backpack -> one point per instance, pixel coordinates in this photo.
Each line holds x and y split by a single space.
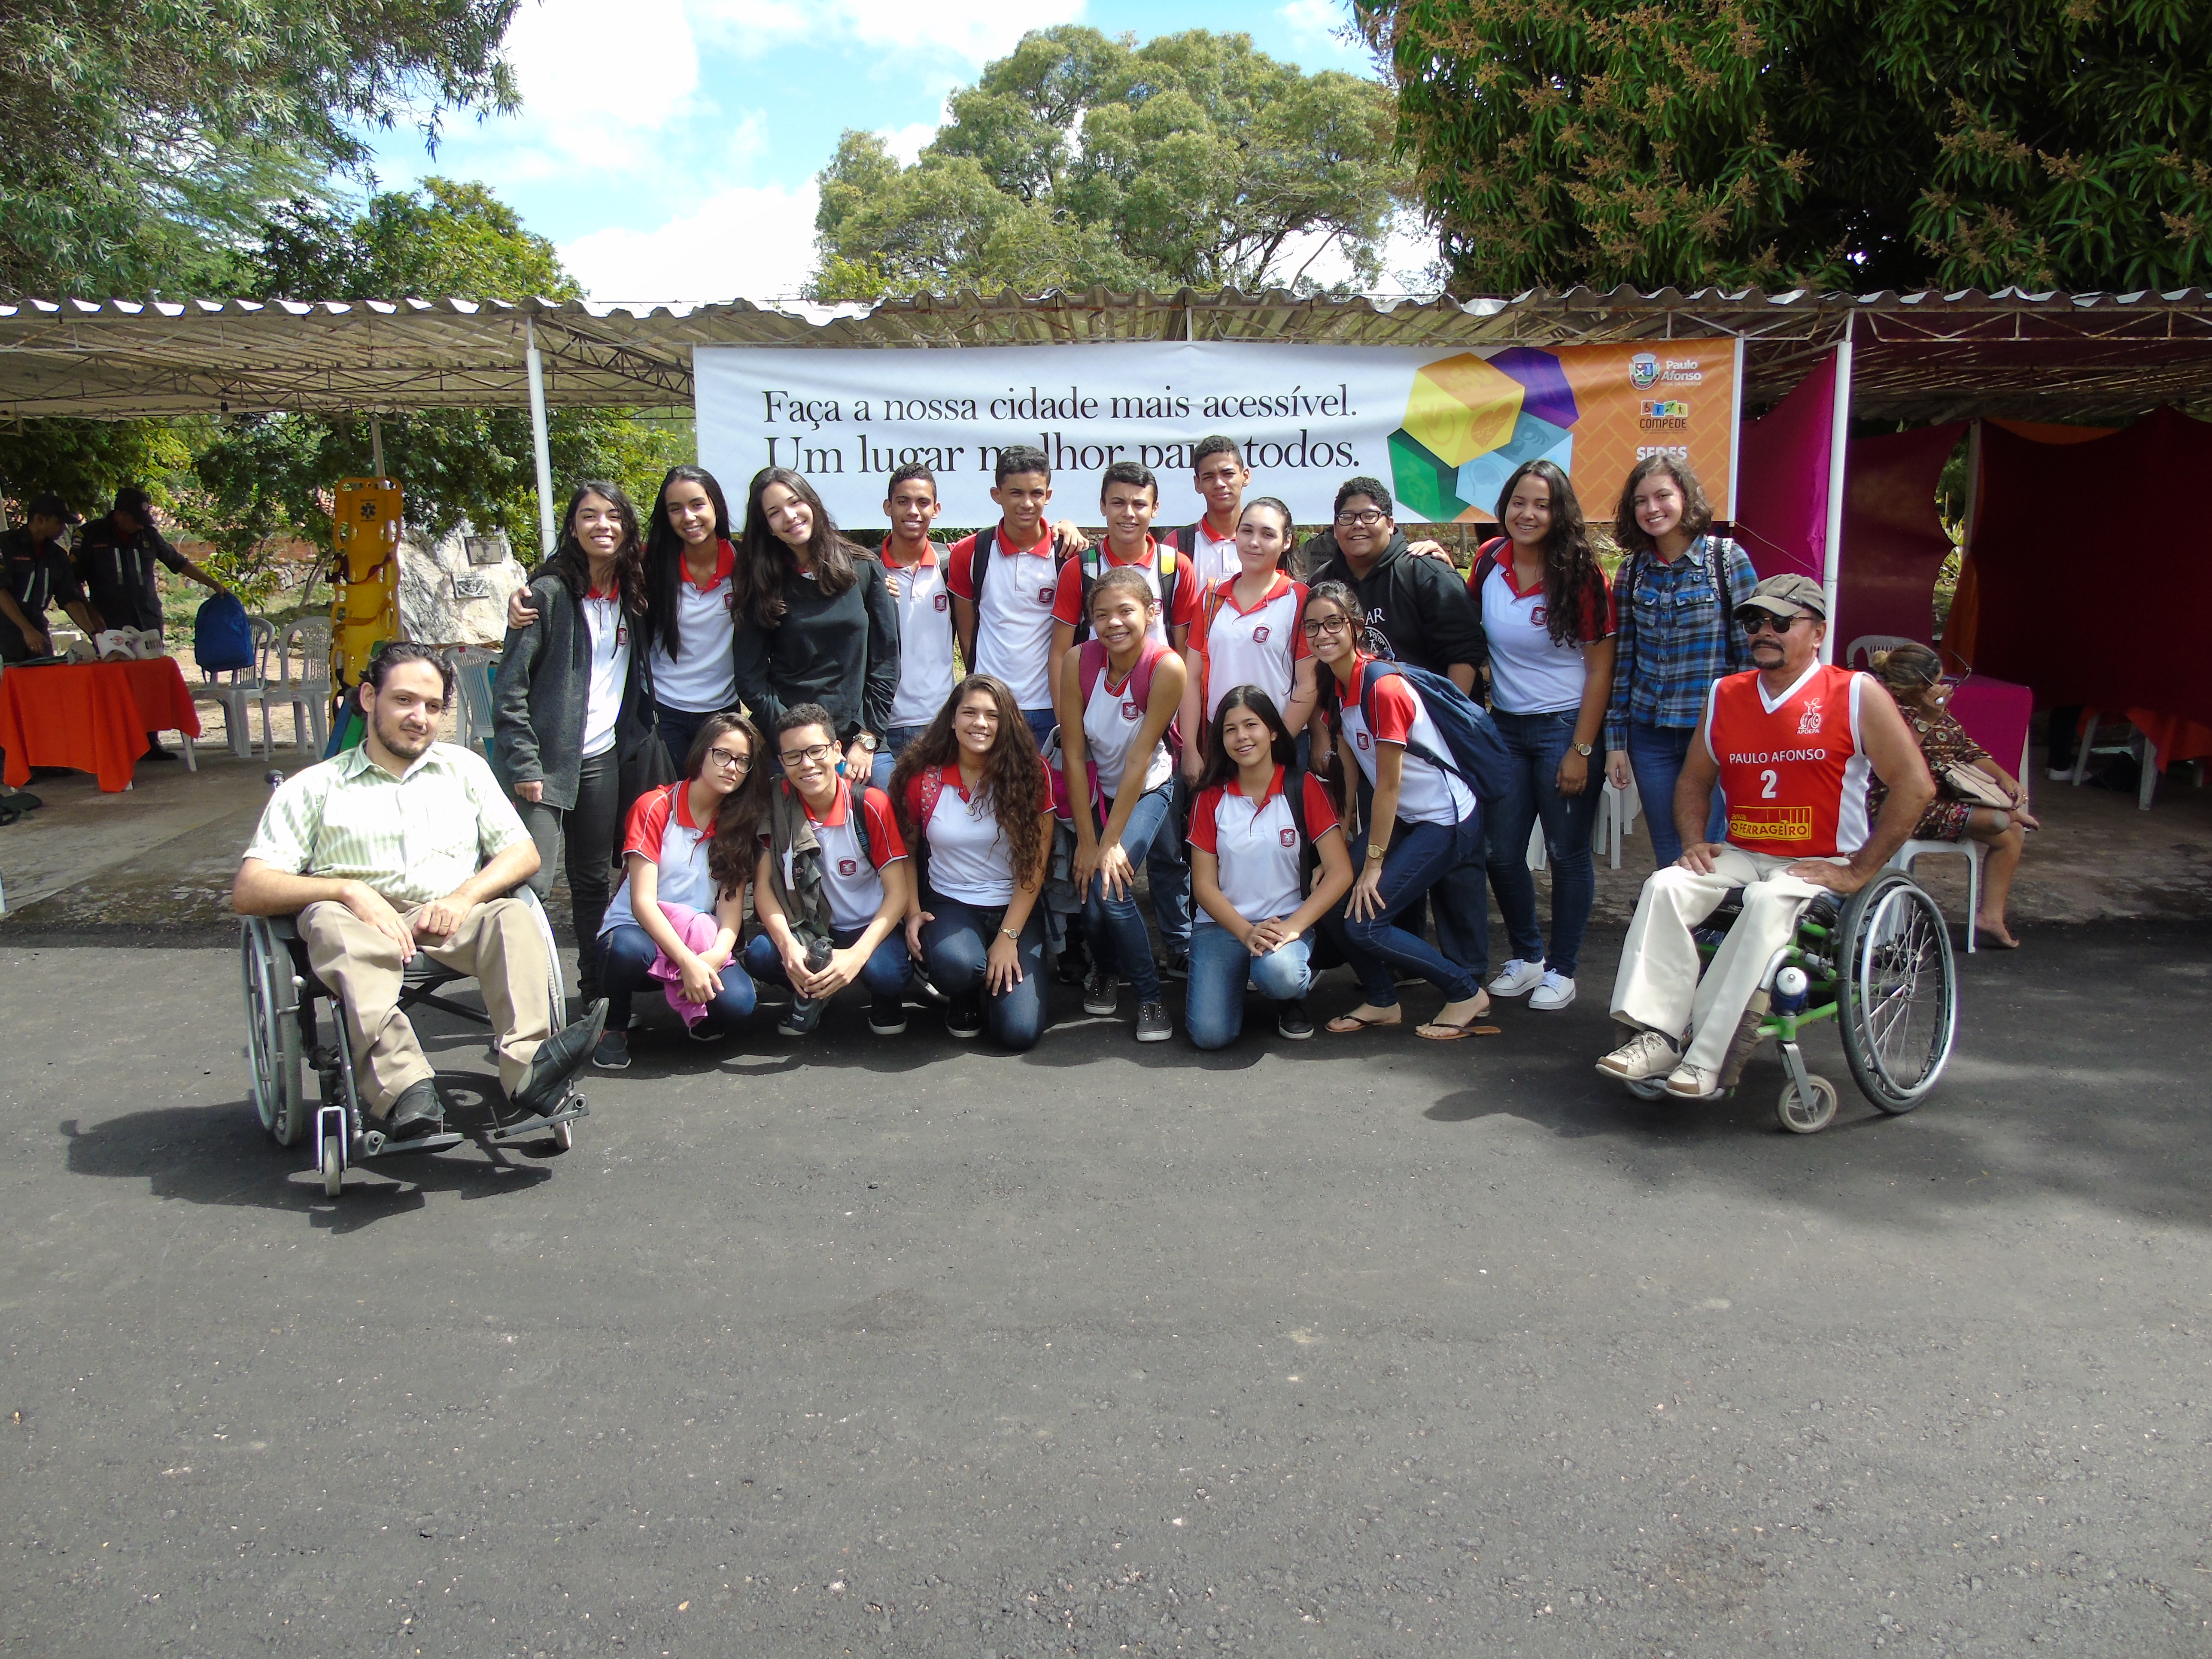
1477 756
222 638
1092 667
1094 566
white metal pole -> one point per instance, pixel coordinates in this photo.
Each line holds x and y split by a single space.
538 444
376 445
1837 436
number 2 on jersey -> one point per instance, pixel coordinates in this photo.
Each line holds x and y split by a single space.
1767 777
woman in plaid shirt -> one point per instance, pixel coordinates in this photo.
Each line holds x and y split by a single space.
1675 594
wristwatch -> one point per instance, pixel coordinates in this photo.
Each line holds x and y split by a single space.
1374 853
866 740
1585 750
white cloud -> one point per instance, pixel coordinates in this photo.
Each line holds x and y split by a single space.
905 143
1409 260
755 242
1319 22
972 30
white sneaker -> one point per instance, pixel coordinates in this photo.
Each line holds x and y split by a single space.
1688 1082
1646 1054
1555 993
1516 978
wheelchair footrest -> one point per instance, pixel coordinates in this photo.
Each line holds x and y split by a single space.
537 1126
373 1144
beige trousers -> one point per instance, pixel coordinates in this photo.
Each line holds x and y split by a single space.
498 943
1658 987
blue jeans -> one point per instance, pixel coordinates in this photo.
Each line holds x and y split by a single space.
898 737
1420 856
1167 870
1655 754
956 944
1213 1002
1041 722
1537 742
677 728
884 973
1116 927
626 950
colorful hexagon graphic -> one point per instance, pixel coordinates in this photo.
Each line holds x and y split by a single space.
1470 421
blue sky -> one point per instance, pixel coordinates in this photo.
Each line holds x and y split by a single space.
668 147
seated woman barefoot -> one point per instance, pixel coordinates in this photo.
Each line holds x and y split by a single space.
1914 676
1422 824
976 806
833 885
1257 820
688 852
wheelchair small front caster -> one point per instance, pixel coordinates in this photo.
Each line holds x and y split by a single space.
333 1168
1807 1114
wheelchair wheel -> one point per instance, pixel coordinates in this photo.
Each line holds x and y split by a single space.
1801 1116
1897 991
333 1169
273 1033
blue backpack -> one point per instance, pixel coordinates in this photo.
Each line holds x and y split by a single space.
222 639
1479 757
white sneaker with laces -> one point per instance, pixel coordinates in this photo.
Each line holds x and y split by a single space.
1646 1054
1688 1082
1515 978
1555 993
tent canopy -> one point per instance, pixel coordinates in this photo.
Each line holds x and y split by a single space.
1920 357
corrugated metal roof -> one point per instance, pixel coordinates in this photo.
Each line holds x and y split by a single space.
1921 357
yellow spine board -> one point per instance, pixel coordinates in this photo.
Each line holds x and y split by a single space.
365 604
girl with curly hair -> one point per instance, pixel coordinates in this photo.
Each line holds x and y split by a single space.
974 807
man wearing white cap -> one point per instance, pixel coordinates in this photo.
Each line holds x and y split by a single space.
1793 744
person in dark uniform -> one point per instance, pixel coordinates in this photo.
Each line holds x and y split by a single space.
115 559
34 570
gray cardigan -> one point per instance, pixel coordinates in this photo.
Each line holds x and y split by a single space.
541 693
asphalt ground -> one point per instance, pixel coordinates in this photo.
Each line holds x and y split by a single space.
1358 1346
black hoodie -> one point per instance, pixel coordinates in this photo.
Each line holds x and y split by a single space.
1419 610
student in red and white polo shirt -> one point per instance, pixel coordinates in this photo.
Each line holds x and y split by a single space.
1247 872
689 845
1246 632
1547 614
1006 632
1795 745
916 572
1218 472
836 892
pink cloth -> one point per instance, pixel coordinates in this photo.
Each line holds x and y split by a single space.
697 930
1995 714
1781 483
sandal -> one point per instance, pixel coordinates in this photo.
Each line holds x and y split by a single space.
1435 1031
1347 1025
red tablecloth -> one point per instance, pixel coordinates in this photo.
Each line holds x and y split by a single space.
92 716
2175 737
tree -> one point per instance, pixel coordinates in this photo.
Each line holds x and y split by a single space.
1828 143
262 479
1080 159
144 139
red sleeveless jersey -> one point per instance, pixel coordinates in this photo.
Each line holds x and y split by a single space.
1794 771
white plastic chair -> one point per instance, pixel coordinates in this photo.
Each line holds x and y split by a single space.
2147 787
1617 811
237 690
1973 851
473 669
1871 643
308 689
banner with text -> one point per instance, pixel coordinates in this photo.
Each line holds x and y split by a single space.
1443 429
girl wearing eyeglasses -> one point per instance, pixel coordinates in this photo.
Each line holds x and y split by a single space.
561 683
1676 596
834 883
689 849
975 807
1421 823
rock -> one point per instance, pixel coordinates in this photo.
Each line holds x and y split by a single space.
445 597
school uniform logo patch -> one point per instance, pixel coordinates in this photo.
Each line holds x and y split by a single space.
1539 617
1289 837
1128 710
941 602
848 866
1260 634
1360 737
1045 594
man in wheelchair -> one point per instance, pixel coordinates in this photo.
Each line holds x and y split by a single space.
407 846
1794 744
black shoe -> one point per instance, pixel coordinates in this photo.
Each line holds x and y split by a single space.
155 752
20 800
963 1020
558 1059
886 1016
803 1016
612 1052
1292 1021
1074 964
923 988
417 1112
1176 967
709 1031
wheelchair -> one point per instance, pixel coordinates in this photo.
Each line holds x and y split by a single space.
284 1031
1877 962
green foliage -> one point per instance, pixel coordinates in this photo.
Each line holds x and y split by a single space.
1081 159
1959 142
266 478
143 139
